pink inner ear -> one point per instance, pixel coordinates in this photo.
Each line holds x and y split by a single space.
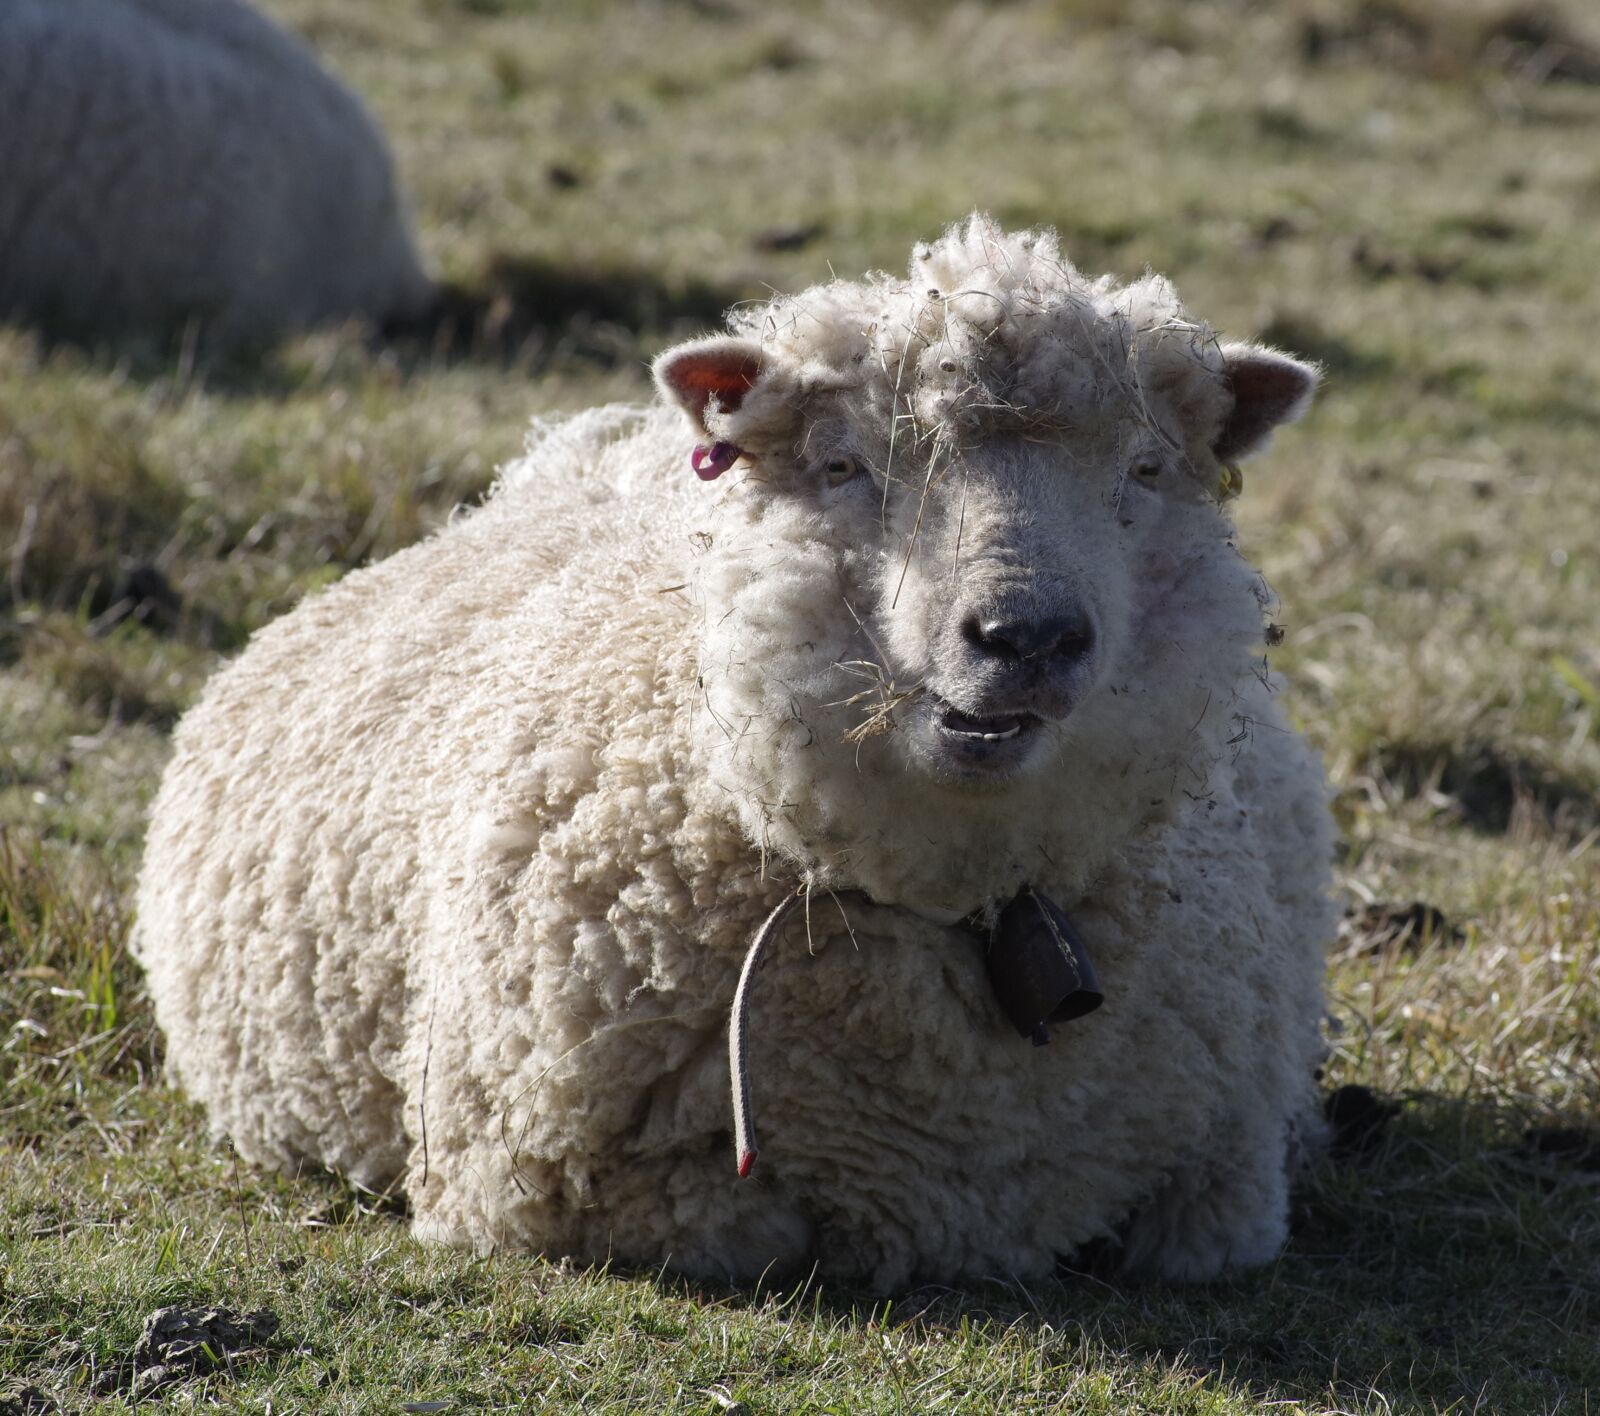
1268 389
727 375
1273 386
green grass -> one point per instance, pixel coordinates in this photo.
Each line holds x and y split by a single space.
1409 192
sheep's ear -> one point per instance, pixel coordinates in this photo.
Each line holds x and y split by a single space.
1268 388
709 376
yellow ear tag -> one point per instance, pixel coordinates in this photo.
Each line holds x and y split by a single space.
1230 483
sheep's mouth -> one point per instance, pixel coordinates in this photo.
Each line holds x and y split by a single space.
993 728
975 748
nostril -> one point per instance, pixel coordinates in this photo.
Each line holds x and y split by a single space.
1076 641
1064 639
992 636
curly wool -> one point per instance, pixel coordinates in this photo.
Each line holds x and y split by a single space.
449 881
992 330
169 160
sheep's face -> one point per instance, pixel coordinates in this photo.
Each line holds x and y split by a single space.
966 562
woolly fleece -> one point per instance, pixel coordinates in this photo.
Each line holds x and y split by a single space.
450 879
172 159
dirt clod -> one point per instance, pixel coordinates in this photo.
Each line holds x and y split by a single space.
182 1342
1358 1118
787 238
1386 926
27 1401
1568 1145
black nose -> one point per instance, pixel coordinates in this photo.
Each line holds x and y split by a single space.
1062 639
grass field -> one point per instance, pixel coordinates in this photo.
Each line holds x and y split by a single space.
1407 191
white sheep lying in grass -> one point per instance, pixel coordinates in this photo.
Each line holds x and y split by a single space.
449 883
168 160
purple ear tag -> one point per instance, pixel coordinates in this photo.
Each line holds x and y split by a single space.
711 462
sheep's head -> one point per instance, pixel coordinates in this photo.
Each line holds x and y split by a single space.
970 599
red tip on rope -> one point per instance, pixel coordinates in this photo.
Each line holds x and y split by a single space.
747 1163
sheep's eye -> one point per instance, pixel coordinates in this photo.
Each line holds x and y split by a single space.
841 469
1147 469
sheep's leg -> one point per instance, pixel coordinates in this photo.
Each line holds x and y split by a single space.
1233 1213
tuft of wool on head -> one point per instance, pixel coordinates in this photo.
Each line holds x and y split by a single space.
990 331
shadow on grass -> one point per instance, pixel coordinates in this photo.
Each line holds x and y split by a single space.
525 310
1532 41
522 312
1452 1262
1490 786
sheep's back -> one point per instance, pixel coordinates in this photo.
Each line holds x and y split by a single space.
324 792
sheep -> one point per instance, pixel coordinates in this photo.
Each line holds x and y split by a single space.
168 161
931 711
